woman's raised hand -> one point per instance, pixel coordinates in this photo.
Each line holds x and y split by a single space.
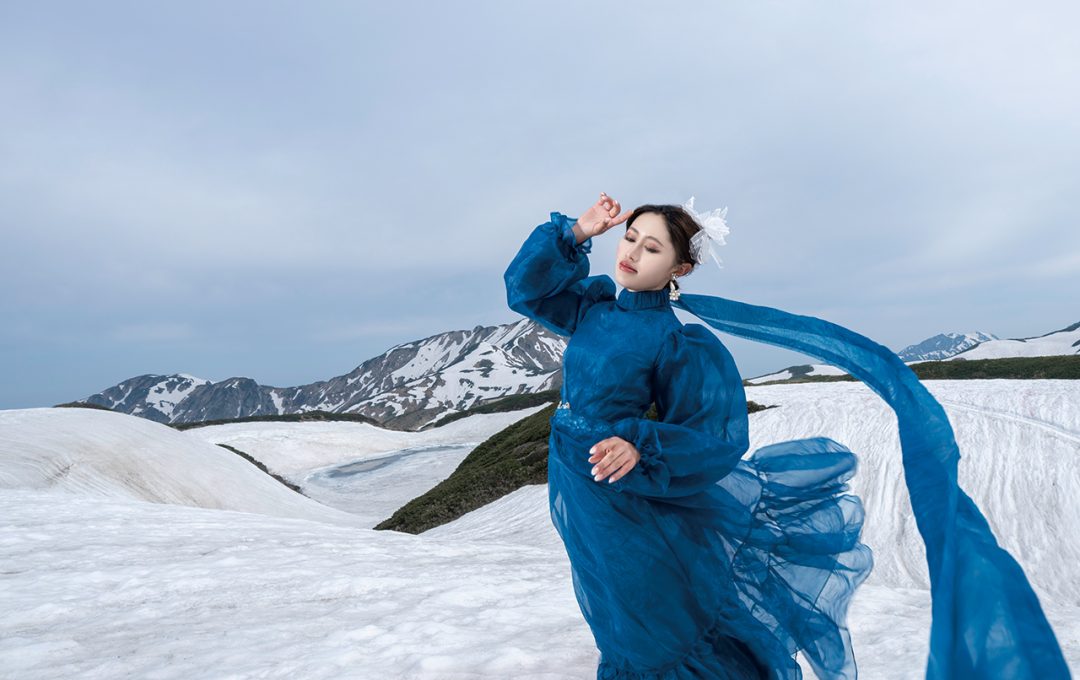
603 215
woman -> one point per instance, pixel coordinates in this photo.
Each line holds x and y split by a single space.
689 562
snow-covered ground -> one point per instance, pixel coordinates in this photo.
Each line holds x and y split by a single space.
96 582
1019 444
92 588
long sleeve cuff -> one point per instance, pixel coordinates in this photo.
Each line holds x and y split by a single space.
568 245
675 461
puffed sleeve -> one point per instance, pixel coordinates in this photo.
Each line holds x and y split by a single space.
548 280
702 431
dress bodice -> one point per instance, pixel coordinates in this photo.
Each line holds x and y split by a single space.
626 350
609 362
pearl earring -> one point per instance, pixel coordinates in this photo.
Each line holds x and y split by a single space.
673 293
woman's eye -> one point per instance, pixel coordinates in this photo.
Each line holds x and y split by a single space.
651 250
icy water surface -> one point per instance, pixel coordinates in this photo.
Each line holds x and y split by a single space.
377 486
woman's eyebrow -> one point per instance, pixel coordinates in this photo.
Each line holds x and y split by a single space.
652 237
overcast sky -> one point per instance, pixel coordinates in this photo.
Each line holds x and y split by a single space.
281 191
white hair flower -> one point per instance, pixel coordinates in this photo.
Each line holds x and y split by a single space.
713 230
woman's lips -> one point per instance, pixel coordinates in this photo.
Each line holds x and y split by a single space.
626 269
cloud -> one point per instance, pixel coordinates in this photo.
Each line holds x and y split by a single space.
325 159
373 328
152 332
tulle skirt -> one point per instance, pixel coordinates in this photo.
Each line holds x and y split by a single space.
728 583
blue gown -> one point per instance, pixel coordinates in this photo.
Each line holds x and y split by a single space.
701 564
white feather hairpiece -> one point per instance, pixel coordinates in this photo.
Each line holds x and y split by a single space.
713 230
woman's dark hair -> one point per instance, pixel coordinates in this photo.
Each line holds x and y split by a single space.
680 225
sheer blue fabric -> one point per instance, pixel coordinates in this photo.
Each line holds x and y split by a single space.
700 563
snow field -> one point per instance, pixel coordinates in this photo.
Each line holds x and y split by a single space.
131 550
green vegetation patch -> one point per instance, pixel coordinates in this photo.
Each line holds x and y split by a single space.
1066 367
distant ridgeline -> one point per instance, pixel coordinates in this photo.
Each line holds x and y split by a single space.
1015 368
424 383
1066 367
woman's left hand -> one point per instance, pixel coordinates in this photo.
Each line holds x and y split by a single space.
616 457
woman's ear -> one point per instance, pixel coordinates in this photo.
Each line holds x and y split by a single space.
683 269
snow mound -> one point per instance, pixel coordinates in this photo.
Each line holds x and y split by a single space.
105 454
97 589
520 517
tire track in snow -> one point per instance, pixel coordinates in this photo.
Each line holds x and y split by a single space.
1015 417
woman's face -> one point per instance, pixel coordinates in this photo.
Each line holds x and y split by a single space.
647 248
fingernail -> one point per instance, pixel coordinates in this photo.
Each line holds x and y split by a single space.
592 450
593 472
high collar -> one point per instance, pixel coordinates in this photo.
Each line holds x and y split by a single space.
643 299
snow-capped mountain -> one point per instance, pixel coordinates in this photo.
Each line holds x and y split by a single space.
405 387
151 396
943 346
1065 341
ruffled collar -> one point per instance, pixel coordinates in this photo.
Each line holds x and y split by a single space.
643 299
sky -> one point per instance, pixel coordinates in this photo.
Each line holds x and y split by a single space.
282 191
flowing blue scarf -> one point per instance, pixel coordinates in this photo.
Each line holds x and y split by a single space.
986 620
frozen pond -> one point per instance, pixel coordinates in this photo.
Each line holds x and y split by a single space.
375 486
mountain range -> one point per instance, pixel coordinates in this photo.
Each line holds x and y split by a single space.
404 388
416 383
943 346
